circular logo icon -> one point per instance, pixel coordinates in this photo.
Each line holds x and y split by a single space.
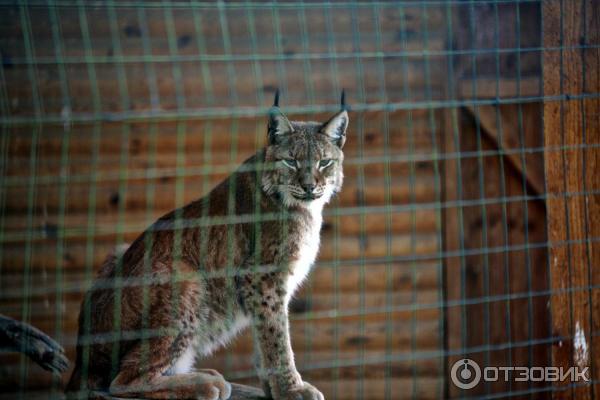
465 373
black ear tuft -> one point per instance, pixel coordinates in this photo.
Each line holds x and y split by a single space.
276 101
343 100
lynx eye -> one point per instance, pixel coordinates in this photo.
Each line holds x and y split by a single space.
290 163
325 163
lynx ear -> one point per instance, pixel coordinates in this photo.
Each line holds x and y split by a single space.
336 127
278 125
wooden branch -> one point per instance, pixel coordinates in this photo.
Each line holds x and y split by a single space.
238 392
21 337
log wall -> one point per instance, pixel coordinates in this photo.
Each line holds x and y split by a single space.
112 116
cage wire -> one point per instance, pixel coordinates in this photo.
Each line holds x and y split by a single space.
467 226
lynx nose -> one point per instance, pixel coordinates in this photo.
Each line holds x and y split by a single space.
309 188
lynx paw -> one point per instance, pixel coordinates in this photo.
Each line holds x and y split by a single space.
304 392
215 388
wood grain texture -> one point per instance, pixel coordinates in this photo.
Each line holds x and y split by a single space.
510 279
572 182
238 392
356 311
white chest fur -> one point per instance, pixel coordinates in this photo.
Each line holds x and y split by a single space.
308 249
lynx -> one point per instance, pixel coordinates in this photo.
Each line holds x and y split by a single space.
202 273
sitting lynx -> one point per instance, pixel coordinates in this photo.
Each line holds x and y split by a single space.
202 273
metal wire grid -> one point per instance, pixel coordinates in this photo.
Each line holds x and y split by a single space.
38 118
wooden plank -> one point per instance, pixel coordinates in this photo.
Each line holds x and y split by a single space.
323 302
59 319
512 134
502 224
412 17
452 236
402 276
374 192
514 271
322 280
485 76
236 365
110 167
508 26
76 226
48 314
189 91
43 255
499 88
372 161
219 136
572 219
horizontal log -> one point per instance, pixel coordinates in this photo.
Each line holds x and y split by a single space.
319 302
396 161
205 23
64 326
77 256
218 139
330 364
50 169
213 136
48 286
168 194
76 227
345 334
374 277
493 87
48 308
187 90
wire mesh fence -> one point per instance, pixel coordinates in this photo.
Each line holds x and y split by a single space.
467 225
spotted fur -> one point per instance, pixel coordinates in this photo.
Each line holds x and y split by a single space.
202 273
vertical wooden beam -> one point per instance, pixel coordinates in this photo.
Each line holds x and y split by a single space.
453 293
570 70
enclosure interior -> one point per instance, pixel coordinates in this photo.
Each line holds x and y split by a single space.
115 113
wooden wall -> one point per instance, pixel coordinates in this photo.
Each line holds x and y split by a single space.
496 272
111 117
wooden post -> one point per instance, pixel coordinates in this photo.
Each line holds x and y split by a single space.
571 122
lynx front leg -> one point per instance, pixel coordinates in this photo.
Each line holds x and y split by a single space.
260 368
270 320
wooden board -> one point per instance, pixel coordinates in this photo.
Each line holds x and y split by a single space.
572 182
497 278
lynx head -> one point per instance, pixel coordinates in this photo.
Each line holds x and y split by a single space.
305 158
